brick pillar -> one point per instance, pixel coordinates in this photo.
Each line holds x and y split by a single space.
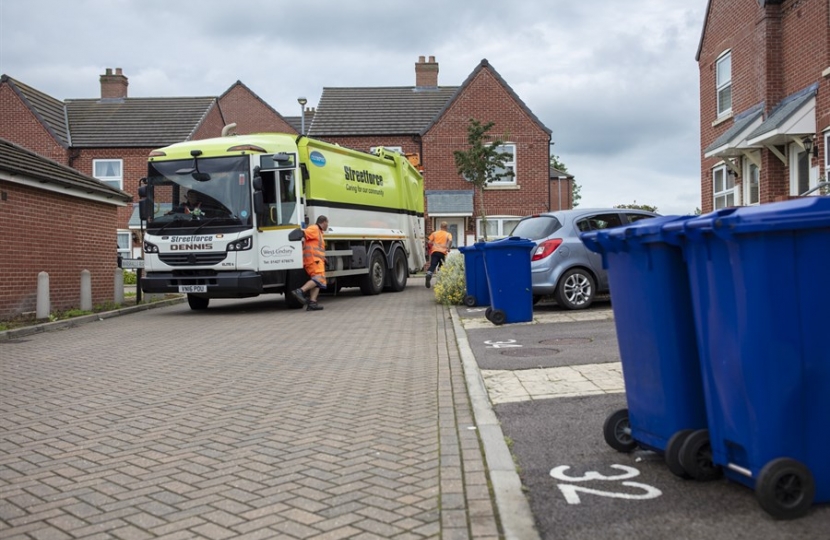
113 85
426 73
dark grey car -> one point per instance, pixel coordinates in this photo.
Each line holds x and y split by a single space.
561 265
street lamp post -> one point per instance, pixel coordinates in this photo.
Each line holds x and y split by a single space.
302 101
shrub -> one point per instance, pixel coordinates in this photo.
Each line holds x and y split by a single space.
450 287
130 277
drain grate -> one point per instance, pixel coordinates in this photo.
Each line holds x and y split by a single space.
566 341
527 353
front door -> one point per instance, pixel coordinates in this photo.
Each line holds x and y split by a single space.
455 226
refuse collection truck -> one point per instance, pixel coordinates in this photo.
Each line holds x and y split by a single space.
223 217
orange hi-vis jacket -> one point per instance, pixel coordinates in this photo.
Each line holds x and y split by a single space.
314 254
440 242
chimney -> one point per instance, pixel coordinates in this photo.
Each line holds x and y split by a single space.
113 86
426 73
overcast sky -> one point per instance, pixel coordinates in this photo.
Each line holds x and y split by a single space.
616 82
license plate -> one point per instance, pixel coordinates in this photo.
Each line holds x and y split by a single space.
192 288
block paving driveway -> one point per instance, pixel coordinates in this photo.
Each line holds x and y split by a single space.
245 421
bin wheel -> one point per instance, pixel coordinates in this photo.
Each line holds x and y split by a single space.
696 457
672 455
498 317
469 300
785 488
488 312
617 432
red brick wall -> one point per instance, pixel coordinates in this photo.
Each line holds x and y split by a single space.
409 144
211 126
776 51
135 167
50 232
250 114
486 100
21 127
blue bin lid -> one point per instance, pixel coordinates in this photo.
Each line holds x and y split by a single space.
797 214
620 238
511 242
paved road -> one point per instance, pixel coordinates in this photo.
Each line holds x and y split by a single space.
553 383
244 421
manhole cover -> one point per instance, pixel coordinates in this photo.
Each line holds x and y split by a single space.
525 353
566 341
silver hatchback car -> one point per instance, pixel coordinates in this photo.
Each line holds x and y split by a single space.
561 265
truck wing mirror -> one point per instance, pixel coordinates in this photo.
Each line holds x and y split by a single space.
296 235
259 203
145 209
257 183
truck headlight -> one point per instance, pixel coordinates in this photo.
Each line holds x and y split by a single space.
150 247
243 244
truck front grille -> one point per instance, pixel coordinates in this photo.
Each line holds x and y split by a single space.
192 259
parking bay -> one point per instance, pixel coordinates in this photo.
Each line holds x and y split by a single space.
578 487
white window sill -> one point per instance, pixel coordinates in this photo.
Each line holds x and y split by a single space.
721 119
492 187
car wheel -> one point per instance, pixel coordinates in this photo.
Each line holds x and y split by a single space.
197 303
575 289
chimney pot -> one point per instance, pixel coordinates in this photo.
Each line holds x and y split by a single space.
426 73
113 85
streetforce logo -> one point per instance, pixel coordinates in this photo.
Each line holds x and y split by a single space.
191 243
364 177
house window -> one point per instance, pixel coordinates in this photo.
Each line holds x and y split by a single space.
497 226
109 171
752 186
799 170
723 188
723 81
506 176
397 149
125 241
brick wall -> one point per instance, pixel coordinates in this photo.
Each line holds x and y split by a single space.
486 100
776 51
134 168
50 232
21 127
250 114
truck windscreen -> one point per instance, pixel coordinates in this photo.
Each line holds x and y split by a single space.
202 192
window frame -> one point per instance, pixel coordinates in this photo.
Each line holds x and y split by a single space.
721 86
748 168
398 149
727 191
500 229
509 165
125 252
795 154
116 182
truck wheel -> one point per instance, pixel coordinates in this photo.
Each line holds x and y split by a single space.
372 283
197 303
399 272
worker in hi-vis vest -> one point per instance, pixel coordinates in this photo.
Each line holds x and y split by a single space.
439 244
314 262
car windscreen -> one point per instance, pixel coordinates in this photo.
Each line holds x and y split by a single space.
536 227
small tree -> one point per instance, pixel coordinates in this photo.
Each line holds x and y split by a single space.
482 162
575 195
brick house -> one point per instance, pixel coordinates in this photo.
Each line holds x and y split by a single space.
431 121
764 100
110 137
54 220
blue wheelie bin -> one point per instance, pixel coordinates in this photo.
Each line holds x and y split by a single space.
475 276
652 306
507 265
759 295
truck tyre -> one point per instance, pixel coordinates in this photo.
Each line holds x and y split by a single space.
197 303
372 283
399 272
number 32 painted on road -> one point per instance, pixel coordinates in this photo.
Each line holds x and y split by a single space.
572 492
